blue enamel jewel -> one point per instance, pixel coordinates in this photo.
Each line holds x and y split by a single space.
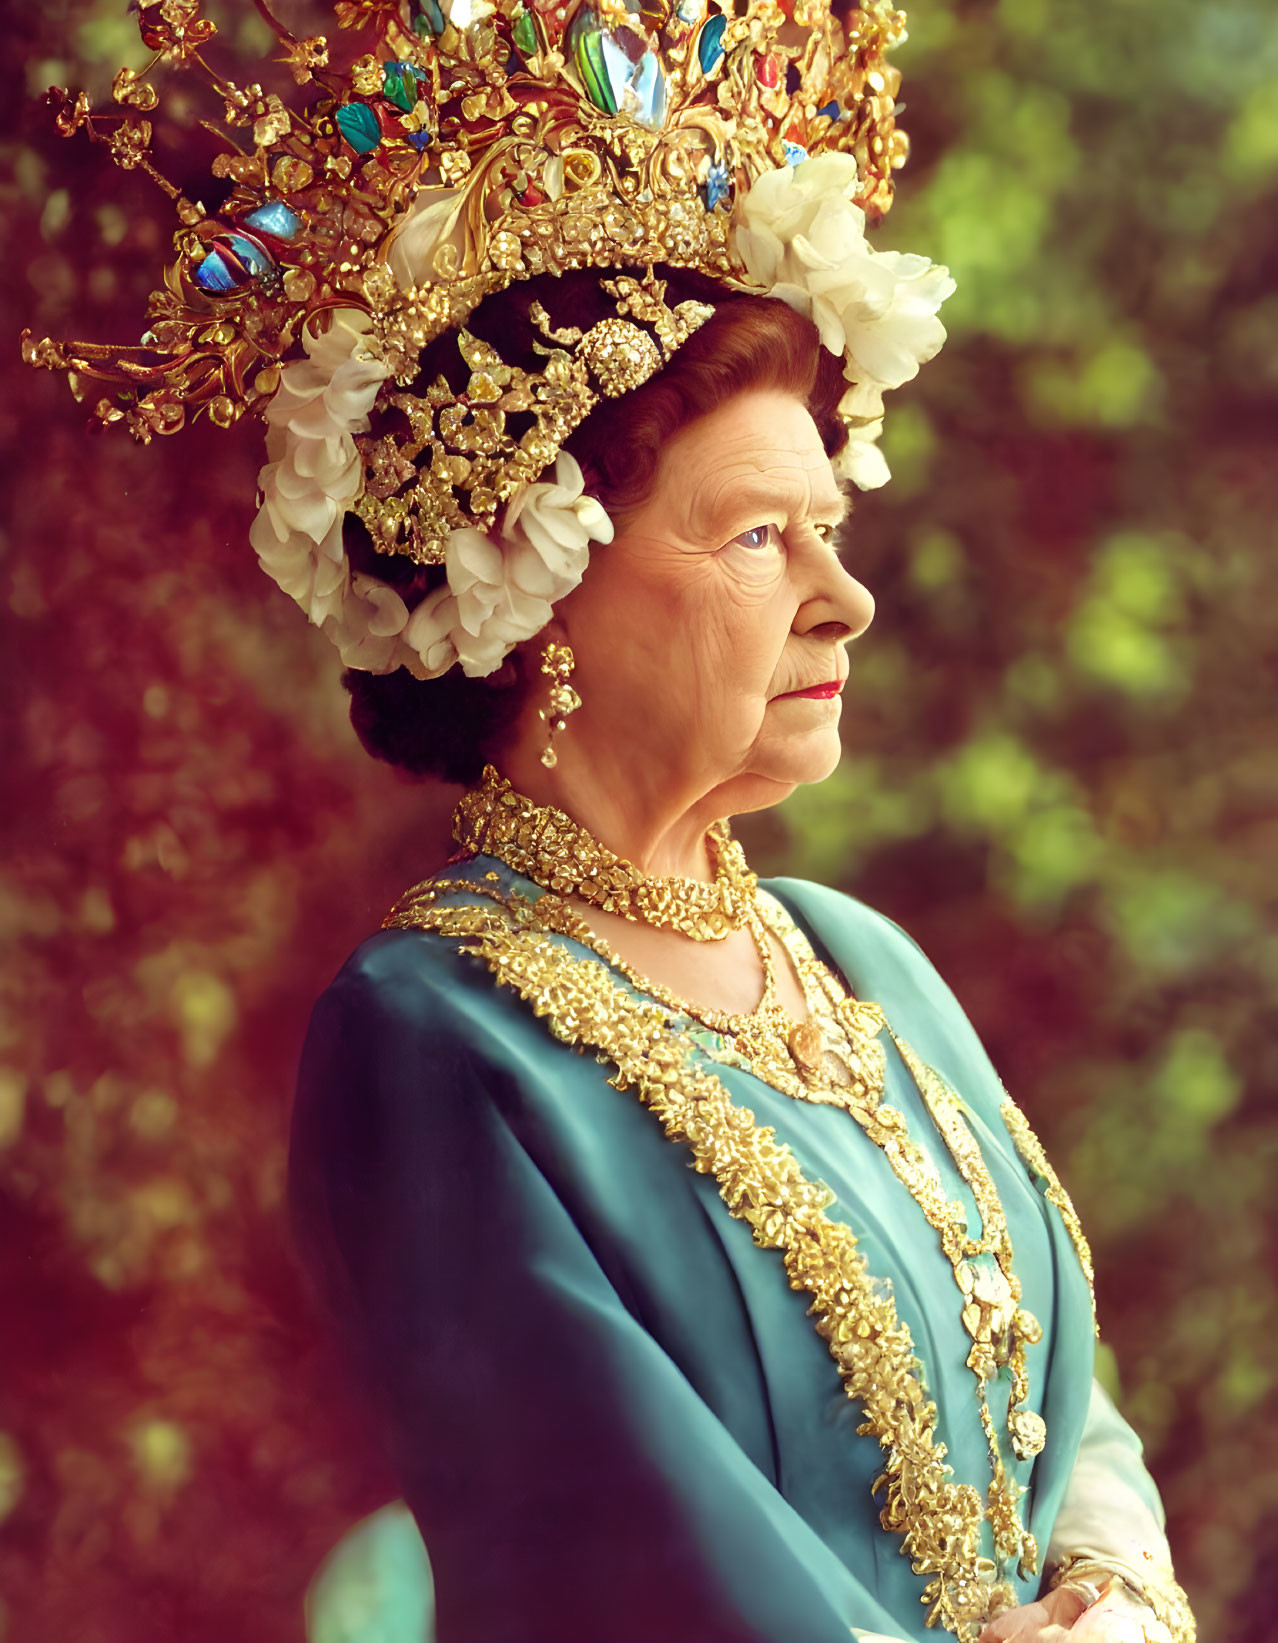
717 186
710 43
232 261
275 218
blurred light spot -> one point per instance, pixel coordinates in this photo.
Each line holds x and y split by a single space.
26 596
161 1453
1172 922
1106 643
59 1089
1115 387
155 701
56 214
936 560
908 445
43 73
206 1012
13 1103
164 1202
1251 344
1196 1079
1244 1382
104 284
1250 148
113 225
990 783
1028 17
96 912
1135 589
1034 681
12 1475
152 1114
1054 850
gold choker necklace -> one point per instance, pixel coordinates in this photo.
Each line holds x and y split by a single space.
548 847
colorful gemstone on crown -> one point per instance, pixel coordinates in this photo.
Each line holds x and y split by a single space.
574 134
231 262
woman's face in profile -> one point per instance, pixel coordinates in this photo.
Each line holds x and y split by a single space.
710 634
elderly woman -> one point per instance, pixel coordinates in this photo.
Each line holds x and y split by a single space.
709 1284
837 1373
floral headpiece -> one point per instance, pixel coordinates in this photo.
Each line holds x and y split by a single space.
479 143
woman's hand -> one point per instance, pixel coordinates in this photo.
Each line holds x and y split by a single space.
1065 1616
1050 1620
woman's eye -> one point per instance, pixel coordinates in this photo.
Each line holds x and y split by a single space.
759 536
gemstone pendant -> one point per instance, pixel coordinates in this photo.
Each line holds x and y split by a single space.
807 1049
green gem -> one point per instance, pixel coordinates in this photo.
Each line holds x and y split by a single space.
585 38
399 85
525 35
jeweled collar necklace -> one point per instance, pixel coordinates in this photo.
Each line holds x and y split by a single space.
545 845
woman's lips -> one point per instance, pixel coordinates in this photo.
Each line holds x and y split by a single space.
819 693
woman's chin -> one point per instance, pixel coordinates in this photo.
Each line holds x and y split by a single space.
798 761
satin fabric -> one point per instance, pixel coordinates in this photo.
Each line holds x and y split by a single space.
611 1416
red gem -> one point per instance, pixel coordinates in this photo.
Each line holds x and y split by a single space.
767 71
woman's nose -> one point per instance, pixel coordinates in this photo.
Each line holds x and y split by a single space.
835 596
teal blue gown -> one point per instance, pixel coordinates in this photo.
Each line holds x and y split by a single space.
611 1416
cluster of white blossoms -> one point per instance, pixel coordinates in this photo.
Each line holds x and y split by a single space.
497 593
802 239
799 237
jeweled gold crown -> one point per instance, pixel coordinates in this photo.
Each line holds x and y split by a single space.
480 143
518 139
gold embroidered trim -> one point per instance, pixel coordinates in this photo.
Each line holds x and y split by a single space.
939 1521
1030 1149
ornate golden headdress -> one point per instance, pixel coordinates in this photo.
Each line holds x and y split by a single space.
479 143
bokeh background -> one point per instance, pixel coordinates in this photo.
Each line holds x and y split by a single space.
1061 777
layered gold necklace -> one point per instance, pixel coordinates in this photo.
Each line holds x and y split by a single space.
834 1057
548 847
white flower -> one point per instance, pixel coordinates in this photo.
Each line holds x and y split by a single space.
496 594
505 592
801 238
434 221
313 477
462 14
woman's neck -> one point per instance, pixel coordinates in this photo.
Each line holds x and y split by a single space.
649 822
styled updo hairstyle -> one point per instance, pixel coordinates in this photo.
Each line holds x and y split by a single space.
452 726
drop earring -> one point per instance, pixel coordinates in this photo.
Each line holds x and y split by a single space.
557 663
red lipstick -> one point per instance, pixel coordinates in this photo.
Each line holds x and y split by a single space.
819 693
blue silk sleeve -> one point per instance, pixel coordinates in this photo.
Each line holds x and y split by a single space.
568 1480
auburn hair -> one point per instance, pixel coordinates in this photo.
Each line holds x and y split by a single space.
452 726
